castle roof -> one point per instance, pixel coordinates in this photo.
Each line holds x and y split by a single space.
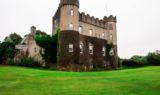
69 2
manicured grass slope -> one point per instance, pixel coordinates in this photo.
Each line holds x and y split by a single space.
26 81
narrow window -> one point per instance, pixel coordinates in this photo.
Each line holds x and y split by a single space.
71 12
18 51
91 32
103 35
111 52
35 50
55 21
80 30
111 37
71 26
110 27
90 49
43 50
81 49
91 64
103 51
17 59
104 63
70 47
43 61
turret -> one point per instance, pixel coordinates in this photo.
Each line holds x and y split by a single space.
69 15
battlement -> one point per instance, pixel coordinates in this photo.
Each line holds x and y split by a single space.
96 21
57 14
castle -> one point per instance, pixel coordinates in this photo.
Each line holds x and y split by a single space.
85 37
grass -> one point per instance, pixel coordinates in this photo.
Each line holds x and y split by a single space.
28 81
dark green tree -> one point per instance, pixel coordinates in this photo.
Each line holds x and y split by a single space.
26 35
38 32
6 38
16 38
50 45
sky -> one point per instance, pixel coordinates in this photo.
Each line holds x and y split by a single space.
138 21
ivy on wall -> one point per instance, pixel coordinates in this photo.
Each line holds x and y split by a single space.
109 47
63 56
49 44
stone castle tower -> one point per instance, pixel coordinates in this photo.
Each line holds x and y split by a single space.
85 35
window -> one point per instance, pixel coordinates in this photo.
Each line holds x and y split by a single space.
90 32
17 59
103 35
43 61
110 27
90 49
103 51
55 21
81 48
35 50
111 52
81 62
104 63
91 64
111 37
99 35
71 26
43 50
71 12
80 30
70 47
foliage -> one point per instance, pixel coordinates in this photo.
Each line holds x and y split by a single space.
100 63
6 38
50 45
26 35
7 50
23 43
38 32
139 58
119 63
153 59
109 47
16 38
133 63
27 62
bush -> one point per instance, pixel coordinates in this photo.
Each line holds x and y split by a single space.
153 59
23 43
27 62
133 63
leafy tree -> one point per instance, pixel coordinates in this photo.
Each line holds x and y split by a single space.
16 38
50 45
6 38
153 59
7 50
38 32
26 35
23 43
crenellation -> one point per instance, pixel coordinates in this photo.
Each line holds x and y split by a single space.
96 21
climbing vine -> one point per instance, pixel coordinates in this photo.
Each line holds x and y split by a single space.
109 47
49 44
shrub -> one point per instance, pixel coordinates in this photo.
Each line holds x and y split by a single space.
132 63
23 43
153 59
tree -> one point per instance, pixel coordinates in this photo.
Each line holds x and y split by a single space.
7 50
50 45
6 38
38 32
26 35
16 38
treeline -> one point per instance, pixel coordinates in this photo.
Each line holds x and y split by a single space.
138 61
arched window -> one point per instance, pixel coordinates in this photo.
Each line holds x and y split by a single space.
90 49
111 37
81 48
90 32
91 64
104 63
80 30
70 47
104 51
71 26
35 50
110 27
71 12
103 35
111 52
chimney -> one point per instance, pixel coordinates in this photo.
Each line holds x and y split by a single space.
33 31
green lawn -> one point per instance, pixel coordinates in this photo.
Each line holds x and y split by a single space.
27 81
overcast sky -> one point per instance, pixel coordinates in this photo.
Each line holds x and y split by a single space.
138 21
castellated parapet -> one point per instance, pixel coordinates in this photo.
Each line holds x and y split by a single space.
95 21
